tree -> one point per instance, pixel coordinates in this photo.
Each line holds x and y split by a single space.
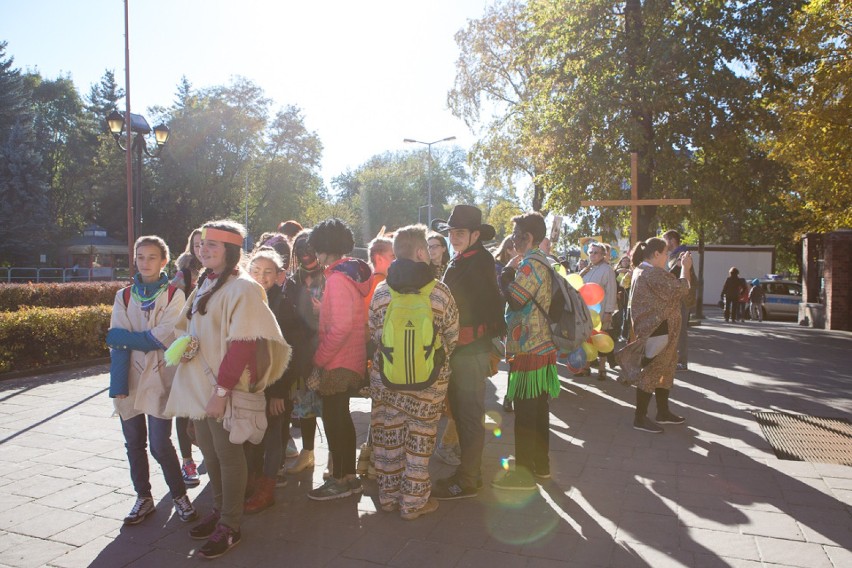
23 197
603 79
811 71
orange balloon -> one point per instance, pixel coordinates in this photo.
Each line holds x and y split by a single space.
592 293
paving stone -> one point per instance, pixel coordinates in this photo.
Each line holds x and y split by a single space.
703 541
416 553
29 552
101 552
777 525
792 553
44 526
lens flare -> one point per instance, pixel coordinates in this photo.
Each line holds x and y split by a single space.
504 463
498 432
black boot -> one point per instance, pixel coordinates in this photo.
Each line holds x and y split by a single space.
664 415
641 420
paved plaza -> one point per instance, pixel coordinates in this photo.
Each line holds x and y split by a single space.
709 494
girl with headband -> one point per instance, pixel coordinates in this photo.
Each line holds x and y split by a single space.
233 350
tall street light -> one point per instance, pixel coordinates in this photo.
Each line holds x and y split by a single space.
139 128
429 175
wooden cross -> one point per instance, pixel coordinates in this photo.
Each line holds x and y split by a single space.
634 202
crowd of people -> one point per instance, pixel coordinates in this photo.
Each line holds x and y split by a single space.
237 348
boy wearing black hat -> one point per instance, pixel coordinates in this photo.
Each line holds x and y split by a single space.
470 277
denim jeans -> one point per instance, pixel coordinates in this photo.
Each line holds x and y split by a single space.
467 403
159 433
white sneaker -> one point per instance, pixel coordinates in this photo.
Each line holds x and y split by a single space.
143 507
184 509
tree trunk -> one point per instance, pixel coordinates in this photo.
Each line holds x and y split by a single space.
641 133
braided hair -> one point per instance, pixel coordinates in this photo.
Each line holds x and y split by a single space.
233 256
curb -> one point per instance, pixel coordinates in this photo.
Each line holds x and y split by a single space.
26 373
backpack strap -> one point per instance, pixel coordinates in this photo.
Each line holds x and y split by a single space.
551 272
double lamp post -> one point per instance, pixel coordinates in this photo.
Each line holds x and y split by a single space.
139 128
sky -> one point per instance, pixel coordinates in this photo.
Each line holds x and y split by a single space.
365 74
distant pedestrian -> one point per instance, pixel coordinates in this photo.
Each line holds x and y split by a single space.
732 289
141 328
439 254
756 298
600 272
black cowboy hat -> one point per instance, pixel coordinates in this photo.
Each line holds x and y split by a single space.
465 217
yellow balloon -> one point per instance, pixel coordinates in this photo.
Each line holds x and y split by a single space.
575 280
596 320
603 342
591 351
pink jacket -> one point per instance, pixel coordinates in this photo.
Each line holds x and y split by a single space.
343 317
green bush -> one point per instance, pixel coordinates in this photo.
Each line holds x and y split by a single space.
16 296
38 337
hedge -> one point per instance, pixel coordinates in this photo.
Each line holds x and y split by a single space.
31 338
16 296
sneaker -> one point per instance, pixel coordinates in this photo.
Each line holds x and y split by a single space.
507 405
452 489
184 509
542 474
682 367
448 455
303 462
363 459
281 479
647 425
670 418
514 481
190 474
223 539
430 507
143 507
355 485
291 451
331 489
207 526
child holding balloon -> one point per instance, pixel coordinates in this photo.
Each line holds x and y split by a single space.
527 286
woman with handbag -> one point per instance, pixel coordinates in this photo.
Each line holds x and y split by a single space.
233 349
340 360
656 295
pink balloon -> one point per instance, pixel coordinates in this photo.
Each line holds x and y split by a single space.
592 293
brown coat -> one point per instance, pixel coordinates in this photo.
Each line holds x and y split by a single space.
657 296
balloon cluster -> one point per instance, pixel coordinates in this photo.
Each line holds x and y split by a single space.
599 342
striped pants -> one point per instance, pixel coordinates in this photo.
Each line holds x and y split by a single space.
404 435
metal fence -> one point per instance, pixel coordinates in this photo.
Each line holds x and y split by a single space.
24 274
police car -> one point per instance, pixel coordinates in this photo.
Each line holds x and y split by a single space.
782 296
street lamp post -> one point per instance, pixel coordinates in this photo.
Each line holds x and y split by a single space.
429 174
140 128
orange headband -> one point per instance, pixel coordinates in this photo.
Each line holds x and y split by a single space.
220 235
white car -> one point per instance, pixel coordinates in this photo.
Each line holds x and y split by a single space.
782 297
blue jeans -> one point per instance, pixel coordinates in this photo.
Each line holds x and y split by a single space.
159 433
467 403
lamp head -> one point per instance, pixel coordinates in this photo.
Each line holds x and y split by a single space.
161 133
115 120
